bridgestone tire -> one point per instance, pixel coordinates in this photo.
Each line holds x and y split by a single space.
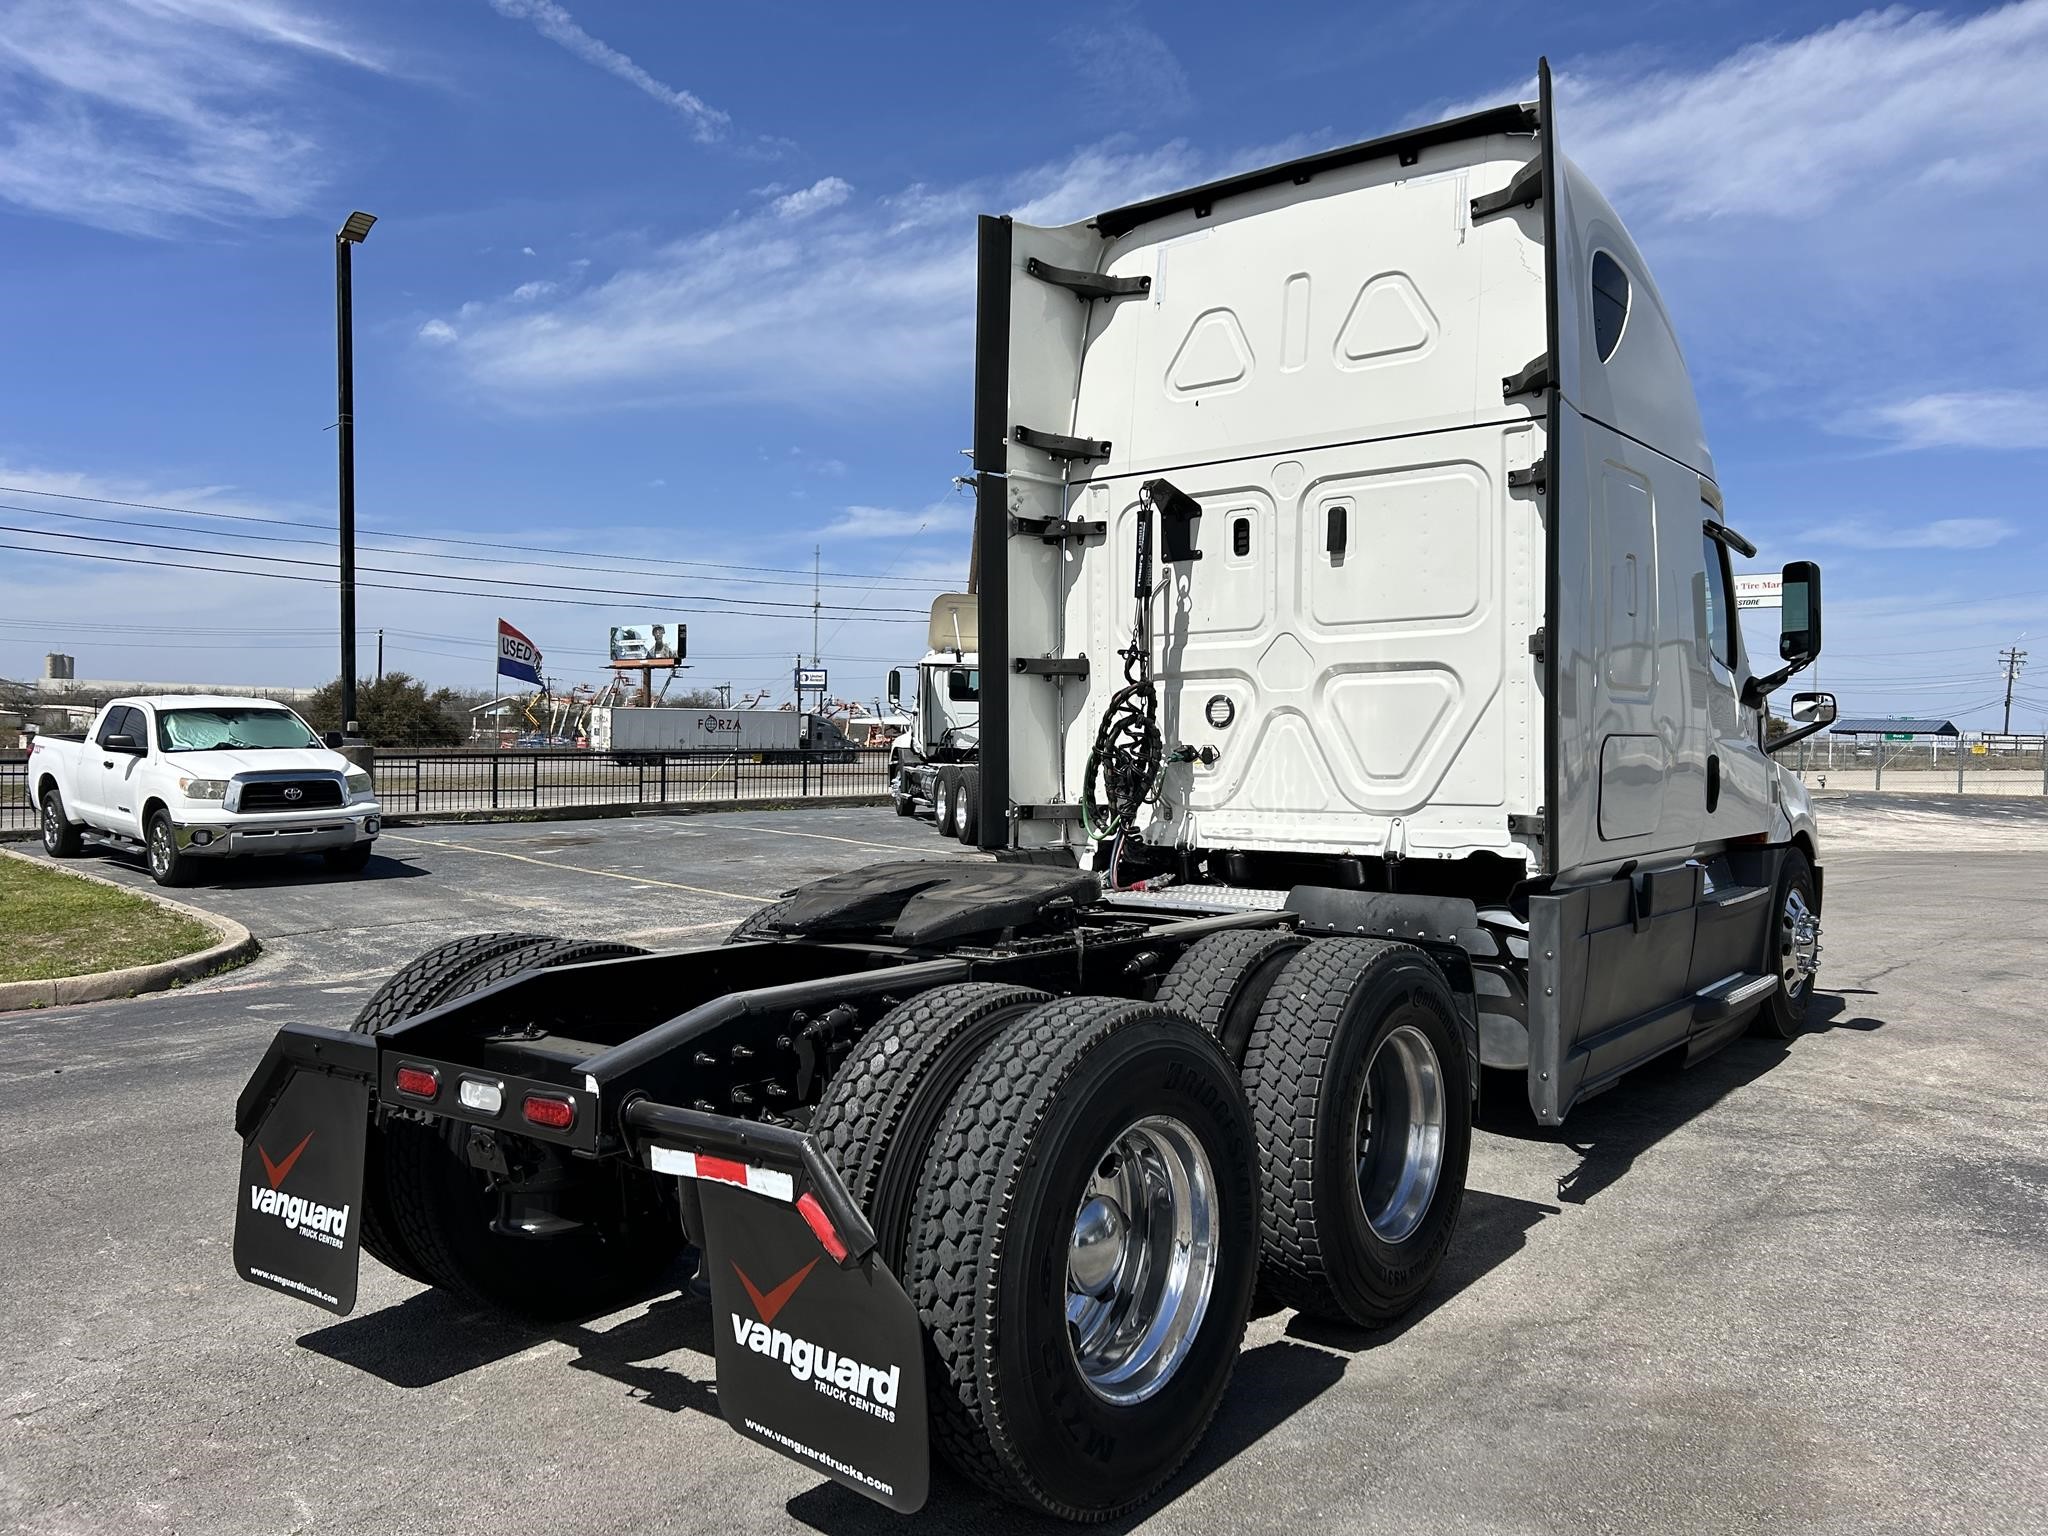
1221 981
754 927
1305 1070
61 838
989 1258
1784 1017
882 1109
440 1209
413 990
967 808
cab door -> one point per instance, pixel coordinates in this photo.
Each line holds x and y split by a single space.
120 773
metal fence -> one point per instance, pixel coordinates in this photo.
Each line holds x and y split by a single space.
425 782
1927 765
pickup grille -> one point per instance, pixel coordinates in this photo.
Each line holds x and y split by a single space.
279 795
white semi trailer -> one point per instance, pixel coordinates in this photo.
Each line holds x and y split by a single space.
1361 704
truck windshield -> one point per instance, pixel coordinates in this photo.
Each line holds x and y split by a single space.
205 730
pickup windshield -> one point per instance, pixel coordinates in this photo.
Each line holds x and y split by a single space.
206 730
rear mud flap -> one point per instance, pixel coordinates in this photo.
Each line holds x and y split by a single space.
820 1353
304 1120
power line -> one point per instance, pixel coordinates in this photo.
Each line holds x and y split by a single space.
386 533
778 608
425 554
384 586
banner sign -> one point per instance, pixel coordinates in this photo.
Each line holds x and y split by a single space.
518 656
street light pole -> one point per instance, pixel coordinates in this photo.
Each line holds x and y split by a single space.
352 233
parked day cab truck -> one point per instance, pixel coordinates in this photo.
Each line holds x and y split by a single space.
933 764
1362 704
199 777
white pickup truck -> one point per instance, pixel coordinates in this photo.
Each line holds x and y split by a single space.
191 778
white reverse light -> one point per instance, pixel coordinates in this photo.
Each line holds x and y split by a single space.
484 1098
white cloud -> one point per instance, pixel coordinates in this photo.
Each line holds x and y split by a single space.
558 26
1950 533
950 518
438 332
867 296
1984 418
526 293
1127 72
828 192
526 250
141 116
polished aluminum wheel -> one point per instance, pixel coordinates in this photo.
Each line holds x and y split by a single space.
1142 1259
1798 943
160 847
1401 1120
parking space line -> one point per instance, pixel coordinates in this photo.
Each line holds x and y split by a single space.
579 869
827 837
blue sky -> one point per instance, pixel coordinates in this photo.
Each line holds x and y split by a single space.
690 288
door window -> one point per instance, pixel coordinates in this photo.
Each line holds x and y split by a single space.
1720 615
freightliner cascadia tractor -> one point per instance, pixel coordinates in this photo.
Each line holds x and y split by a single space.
1362 706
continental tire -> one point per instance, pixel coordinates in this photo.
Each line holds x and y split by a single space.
1221 981
413 990
443 1209
1784 1016
883 1107
1073 1101
1359 1094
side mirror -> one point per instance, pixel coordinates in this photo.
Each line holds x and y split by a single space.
895 688
1810 712
126 744
1799 618
1813 709
332 740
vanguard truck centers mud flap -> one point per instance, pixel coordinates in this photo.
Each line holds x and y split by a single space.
304 1120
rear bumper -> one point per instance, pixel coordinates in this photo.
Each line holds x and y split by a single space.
229 837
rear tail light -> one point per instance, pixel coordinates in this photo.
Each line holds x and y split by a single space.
418 1082
557 1114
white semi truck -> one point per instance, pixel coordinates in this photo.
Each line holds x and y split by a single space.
1362 704
934 764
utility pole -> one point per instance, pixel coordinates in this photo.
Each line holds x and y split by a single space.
380 655
2012 661
352 232
814 605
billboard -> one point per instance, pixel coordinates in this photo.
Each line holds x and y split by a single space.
518 656
1760 591
658 643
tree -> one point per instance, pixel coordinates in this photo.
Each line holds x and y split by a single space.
394 711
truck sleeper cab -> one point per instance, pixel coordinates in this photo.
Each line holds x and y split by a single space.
1363 704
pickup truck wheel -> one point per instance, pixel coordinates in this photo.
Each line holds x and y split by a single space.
60 833
414 989
1084 1254
348 861
1793 951
444 1211
1357 1077
881 1110
1222 981
967 807
167 866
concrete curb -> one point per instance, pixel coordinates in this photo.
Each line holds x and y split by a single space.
631 808
236 945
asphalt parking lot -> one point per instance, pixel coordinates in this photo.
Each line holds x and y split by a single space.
1799 1287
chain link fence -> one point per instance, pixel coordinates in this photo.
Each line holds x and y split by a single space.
429 782
1925 765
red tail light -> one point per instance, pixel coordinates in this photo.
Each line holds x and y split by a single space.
419 1082
554 1113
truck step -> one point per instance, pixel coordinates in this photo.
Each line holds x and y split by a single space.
1724 997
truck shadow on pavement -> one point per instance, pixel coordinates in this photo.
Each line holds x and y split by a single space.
1611 1132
